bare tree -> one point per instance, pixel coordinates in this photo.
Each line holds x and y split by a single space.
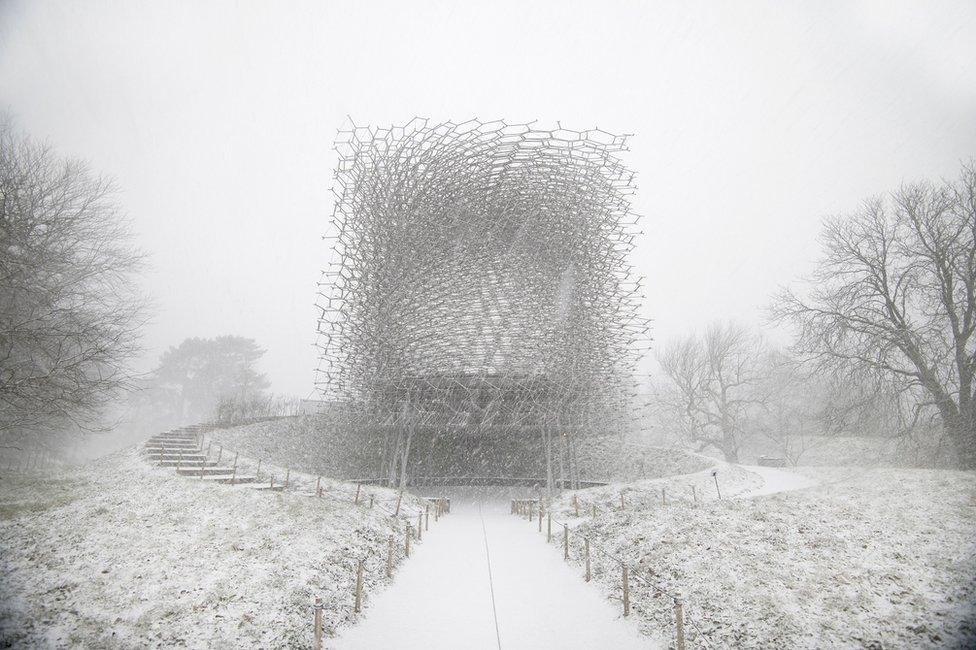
69 309
895 294
715 385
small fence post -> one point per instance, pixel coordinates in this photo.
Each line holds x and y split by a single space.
389 559
715 476
287 476
406 547
540 517
621 500
318 624
679 625
359 486
530 512
594 511
399 499
565 542
586 552
420 526
694 493
203 465
426 516
371 497
576 505
626 592
359 587
664 497
548 528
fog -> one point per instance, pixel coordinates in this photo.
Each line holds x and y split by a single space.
751 123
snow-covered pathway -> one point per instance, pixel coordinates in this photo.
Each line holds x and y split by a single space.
776 480
484 579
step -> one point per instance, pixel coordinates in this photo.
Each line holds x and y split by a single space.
171 454
168 445
183 463
192 439
212 471
238 480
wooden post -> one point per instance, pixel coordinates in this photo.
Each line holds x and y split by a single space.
715 476
437 511
427 518
576 505
679 625
420 526
406 547
565 542
318 624
287 476
621 500
359 486
399 498
626 592
359 587
530 511
203 464
371 497
233 476
389 559
586 553
272 481
512 507
594 511
549 528
540 517
694 493
664 496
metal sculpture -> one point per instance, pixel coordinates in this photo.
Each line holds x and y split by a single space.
479 315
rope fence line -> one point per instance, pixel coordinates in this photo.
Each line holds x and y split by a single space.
529 508
414 520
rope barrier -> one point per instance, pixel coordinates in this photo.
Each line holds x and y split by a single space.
624 563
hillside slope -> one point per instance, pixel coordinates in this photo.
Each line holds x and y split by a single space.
118 554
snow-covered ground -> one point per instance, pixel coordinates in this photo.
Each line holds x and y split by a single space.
485 569
118 554
875 558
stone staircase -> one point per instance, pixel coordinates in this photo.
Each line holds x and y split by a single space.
182 450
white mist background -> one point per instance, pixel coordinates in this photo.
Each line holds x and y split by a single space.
751 121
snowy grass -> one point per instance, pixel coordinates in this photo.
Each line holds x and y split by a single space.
308 443
118 554
868 558
616 458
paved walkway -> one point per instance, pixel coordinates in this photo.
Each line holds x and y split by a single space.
484 579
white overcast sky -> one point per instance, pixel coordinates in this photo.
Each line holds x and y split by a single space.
751 121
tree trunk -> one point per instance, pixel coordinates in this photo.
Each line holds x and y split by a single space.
962 435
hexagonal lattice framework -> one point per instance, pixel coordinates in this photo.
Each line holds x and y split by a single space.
481 292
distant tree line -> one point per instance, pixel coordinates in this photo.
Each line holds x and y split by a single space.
885 336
